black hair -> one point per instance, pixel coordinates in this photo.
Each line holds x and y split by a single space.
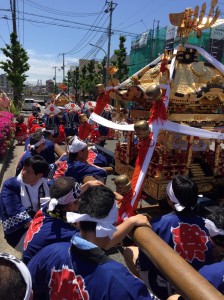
217 217
35 114
38 164
72 156
35 137
185 190
49 127
97 202
47 133
20 119
58 189
12 283
68 139
61 187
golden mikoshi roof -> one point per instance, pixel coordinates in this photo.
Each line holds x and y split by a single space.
195 84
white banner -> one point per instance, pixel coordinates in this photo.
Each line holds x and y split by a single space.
171 32
143 39
217 33
167 125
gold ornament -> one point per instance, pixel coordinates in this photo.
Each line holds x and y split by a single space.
142 129
153 92
123 184
83 118
100 88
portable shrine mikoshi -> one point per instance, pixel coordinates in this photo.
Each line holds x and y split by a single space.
182 98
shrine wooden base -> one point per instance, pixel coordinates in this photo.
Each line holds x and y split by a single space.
156 188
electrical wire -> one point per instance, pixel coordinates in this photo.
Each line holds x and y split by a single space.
78 26
3 39
84 39
90 40
58 12
95 50
135 13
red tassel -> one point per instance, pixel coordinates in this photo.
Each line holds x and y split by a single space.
126 206
158 111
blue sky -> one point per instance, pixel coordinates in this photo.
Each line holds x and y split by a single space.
45 42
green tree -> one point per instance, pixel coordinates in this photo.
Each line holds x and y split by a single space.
89 77
83 80
73 80
92 78
119 61
102 71
15 66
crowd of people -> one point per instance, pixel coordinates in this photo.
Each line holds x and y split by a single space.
60 214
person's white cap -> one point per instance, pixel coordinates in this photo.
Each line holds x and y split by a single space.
77 145
72 106
52 109
90 104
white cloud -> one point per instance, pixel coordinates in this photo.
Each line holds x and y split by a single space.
42 66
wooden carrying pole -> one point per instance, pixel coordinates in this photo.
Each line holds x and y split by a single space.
185 279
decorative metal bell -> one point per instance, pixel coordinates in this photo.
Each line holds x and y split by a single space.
142 129
153 92
83 118
123 184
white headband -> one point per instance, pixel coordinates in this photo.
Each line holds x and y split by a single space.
23 270
47 130
170 194
41 141
77 145
104 226
212 229
71 197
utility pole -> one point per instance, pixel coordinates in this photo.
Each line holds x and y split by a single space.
13 10
154 38
63 64
55 85
110 9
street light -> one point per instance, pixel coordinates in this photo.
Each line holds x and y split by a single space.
99 48
106 77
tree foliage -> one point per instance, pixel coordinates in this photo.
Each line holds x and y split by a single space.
73 80
89 78
15 66
102 71
119 61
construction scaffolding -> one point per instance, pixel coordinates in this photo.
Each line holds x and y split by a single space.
145 48
150 44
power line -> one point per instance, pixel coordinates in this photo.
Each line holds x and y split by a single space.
2 39
94 51
135 13
88 34
95 28
58 12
